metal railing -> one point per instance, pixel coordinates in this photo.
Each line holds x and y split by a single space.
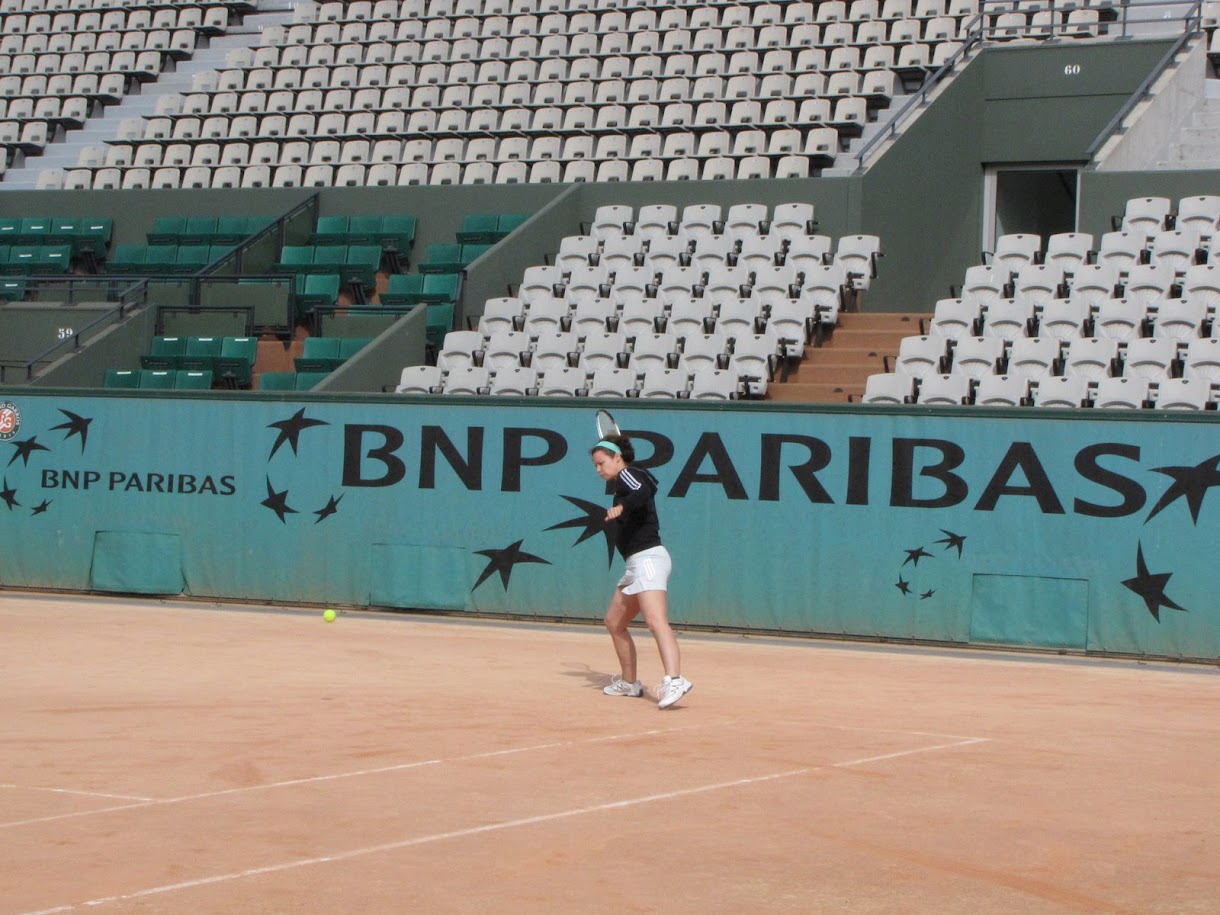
69 344
1125 20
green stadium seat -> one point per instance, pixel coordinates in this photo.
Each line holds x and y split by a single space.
471 253
361 263
439 321
235 364
164 353
509 221
230 230
319 290
12 289
331 230
68 231
217 251
157 379
20 260
403 289
200 230
479 229
121 378
441 287
35 230
161 259
93 236
364 230
24 260
192 258
201 353
399 231
328 259
188 380
295 259
319 354
127 259
306 381
442 258
349 346
167 230
10 229
277 381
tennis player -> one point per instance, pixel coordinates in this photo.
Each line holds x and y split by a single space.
642 589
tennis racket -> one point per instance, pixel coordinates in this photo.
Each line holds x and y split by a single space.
606 425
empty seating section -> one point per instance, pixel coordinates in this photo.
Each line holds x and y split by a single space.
1074 320
224 361
52 245
400 93
61 63
694 302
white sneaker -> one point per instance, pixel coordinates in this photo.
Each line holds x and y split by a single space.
620 687
671 690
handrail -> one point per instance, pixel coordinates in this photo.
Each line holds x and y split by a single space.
1195 15
979 32
276 225
920 96
75 341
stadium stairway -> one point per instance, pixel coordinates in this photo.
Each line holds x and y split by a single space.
838 369
1198 145
142 100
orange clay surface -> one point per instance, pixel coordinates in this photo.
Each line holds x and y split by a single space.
190 758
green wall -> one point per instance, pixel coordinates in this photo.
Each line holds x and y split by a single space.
1089 532
1027 105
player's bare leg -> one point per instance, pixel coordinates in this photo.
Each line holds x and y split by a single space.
655 607
622 610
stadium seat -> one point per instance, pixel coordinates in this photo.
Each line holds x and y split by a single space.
318 354
235 364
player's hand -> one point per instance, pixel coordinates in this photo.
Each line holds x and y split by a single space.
614 512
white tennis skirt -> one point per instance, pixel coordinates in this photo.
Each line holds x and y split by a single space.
647 570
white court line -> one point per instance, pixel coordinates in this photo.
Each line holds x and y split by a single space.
497 827
121 797
400 767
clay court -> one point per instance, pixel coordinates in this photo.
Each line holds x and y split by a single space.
177 757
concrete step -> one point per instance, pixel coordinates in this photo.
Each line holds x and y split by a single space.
845 355
1194 155
832 392
807 373
1200 135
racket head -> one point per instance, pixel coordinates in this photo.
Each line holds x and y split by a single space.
606 425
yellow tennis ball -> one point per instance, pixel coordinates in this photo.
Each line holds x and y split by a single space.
329 616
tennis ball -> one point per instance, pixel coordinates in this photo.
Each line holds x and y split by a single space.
329 616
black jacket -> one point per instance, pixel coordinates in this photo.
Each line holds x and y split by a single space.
638 528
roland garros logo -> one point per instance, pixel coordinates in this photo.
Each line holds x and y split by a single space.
10 420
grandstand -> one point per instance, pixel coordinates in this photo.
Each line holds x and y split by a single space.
913 220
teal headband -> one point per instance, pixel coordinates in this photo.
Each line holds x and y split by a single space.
609 446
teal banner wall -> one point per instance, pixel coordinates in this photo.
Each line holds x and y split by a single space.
1094 533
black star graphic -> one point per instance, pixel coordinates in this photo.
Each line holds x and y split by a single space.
593 523
953 540
331 507
278 502
903 585
926 595
9 495
76 425
25 449
1189 483
291 429
913 556
40 508
1150 587
502 561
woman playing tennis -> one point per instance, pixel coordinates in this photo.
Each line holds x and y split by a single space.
642 589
